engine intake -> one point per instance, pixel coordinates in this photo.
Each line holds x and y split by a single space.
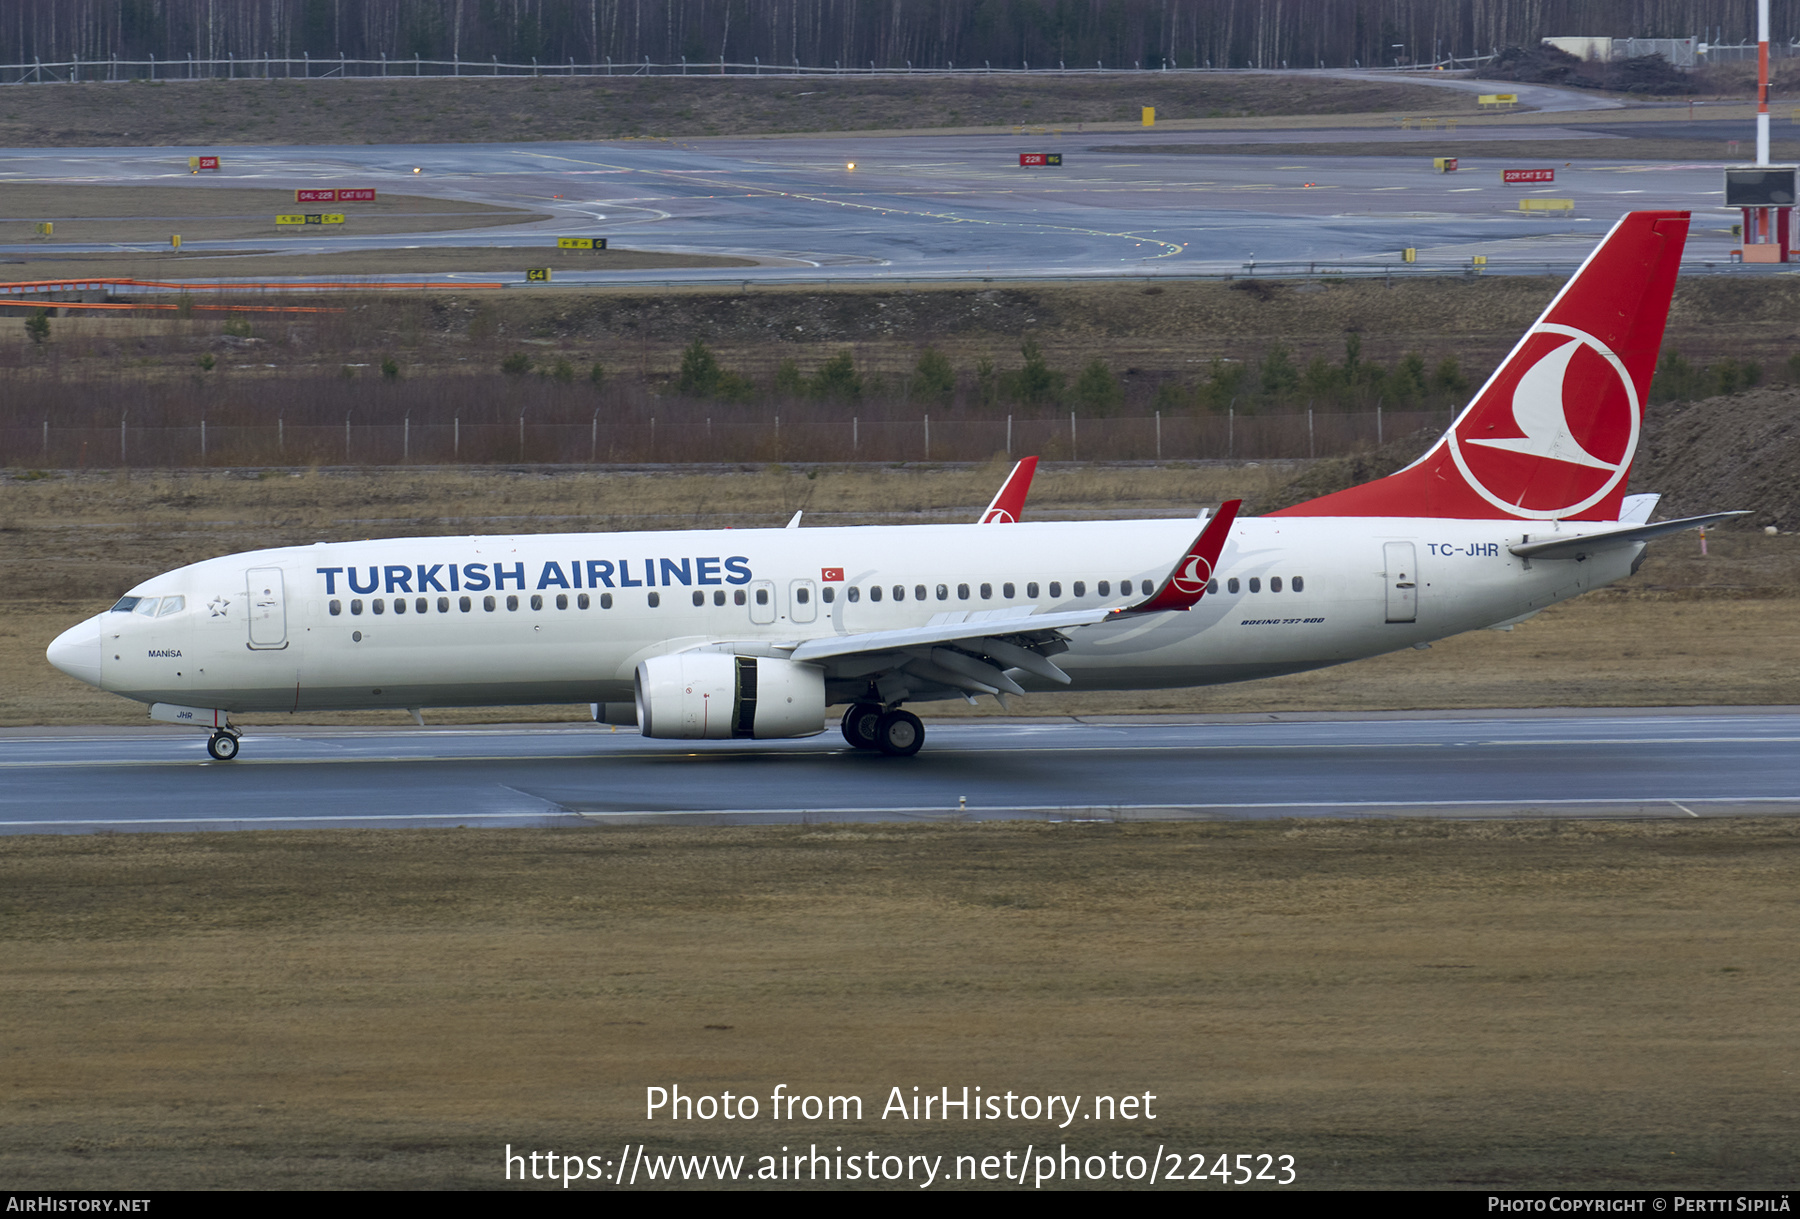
712 696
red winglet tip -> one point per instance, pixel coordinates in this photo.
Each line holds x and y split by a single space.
1186 584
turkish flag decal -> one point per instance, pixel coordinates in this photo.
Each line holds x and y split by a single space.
829 574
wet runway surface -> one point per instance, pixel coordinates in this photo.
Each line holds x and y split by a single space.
1648 764
924 207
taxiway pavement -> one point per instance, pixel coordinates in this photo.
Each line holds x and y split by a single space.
926 207
1678 764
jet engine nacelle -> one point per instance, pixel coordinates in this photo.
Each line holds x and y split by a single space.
713 696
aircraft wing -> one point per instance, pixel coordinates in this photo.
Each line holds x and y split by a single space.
1580 547
970 652
1009 502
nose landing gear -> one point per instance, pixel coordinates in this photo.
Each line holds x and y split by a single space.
222 745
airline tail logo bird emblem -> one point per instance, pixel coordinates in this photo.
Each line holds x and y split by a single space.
1558 433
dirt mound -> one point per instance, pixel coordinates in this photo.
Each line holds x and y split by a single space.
1742 451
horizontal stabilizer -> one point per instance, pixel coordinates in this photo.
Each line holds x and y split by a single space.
1593 543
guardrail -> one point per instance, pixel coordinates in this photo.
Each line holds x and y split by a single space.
270 67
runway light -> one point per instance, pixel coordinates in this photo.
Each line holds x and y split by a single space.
851 165
416 169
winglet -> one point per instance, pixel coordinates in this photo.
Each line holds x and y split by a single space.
1186 584
1009 503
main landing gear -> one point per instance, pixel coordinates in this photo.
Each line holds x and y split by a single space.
222 745
896 733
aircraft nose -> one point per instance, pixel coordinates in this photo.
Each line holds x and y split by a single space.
77 652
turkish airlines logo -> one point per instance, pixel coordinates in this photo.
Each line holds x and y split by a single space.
999 516
1555 431
1192 577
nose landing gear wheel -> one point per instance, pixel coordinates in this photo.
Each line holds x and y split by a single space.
223 746
899 734
859 725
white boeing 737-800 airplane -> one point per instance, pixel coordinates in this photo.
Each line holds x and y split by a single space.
756 633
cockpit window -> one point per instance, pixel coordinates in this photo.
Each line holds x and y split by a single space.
147 606
125 605
171 605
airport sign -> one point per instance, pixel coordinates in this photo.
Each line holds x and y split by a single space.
1040 158
1527 175
196 164
537 275
335 195
581 243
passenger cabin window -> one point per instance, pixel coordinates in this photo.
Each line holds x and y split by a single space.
943 592
443 605
762 596
1299 584
987 592
605 600
1231 585
1212 588
1255 584
1055 588
874 592
1274 584
802 596
699 598
737 597
487 603
399 605
718 597
512 602
581 601
1031 590
851 594
537 601
919 592
828 594
356 605
1080 589
464 604
378 605
1006 590
655 600
1104 588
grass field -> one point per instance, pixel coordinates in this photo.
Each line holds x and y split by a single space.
1398 1005
435 110
152 213
358 264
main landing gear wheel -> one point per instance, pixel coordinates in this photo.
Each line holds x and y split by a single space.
223 746
899 734
859 725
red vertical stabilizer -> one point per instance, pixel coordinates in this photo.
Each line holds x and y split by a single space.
1552 433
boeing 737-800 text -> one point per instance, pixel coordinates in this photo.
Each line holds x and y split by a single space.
757 633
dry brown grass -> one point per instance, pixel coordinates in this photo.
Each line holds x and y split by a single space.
362 264
1415 1004
151 213
439 110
